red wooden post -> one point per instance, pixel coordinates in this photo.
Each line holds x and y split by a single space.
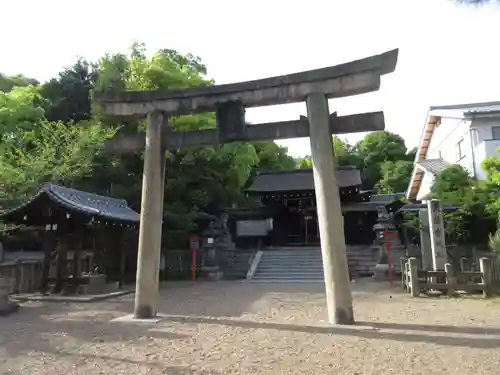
388 239
194 245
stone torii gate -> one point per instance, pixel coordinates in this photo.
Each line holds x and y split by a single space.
229 101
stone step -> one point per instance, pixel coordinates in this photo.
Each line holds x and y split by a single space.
286 266
288 281
307 265
295 276
291 266
282 260
287 271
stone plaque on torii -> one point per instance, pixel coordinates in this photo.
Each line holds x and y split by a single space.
229 102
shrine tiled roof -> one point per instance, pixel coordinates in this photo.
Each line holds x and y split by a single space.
300 180
79 202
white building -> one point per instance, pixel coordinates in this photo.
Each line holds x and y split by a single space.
463 134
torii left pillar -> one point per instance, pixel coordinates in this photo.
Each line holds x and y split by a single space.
331 221
146 292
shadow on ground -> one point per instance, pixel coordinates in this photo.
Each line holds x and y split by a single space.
168 369
214 298
211 303
368 330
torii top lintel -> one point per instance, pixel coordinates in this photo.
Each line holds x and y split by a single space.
352 78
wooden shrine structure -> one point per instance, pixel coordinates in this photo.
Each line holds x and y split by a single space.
288 198
81 234
229 102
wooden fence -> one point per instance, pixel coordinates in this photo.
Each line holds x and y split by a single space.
25 275
449 281
467 264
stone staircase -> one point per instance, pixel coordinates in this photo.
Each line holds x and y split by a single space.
234 264
304 264
362 260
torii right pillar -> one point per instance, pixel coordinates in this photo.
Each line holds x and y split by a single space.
331 221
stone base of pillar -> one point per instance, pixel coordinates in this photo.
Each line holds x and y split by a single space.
130 318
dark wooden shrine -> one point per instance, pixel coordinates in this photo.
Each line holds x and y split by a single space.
72 224
288 198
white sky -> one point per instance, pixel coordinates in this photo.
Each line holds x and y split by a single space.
447 54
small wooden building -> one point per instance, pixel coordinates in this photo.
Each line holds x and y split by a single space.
76 234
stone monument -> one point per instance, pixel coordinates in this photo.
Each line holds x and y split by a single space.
217 246
209 264
437 235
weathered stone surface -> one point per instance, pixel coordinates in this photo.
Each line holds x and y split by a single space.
364 122
352 78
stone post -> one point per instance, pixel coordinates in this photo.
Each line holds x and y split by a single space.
413 268
485 268
425 240
436 231
407 276
331 227
451 279
146 294
163 162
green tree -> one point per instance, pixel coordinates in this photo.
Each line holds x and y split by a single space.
452 184
69 94
34 150
196 177
471 222
491 166
273 157
344 153
20 111
58 153
7 83
395 176
374 150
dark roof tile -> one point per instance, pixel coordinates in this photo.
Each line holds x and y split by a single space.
300 180
82 202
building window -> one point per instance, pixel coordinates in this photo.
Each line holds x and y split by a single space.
460 149
495 132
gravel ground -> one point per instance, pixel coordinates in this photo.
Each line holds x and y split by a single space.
244 328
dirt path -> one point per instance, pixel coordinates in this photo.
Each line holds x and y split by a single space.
242 328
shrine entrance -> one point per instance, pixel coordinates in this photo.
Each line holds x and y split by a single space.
229 102
291 194
296 224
